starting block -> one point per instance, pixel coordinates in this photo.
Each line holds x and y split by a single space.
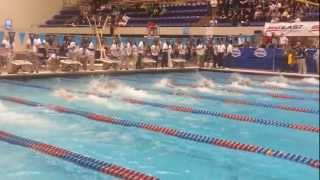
23 65
178 62
149 61
70 66
108 63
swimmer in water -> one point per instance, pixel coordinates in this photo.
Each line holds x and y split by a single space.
65 94
244 82
206 84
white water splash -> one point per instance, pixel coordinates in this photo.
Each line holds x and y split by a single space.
65 94
313 81
239 85
163 83
118 89
8 117
275 84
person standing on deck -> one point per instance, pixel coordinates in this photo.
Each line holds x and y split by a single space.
165 48
301 59
209 54
91 56
155 50
221 53
200 50
140 55
129 54
135 54
123 56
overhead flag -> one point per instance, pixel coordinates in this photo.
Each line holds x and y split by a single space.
22 36
77 40
60 39
109 40
42 36
1 36
93 39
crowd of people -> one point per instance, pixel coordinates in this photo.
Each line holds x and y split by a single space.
131 54
243 12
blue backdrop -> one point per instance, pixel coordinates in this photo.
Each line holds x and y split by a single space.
248 60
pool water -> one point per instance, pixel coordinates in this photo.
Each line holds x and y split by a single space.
165 157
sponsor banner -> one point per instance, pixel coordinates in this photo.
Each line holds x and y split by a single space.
236 52
293 29
260 53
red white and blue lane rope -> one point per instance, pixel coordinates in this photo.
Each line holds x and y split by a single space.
266 86
185 109
282 107
250 92
176 133
75 158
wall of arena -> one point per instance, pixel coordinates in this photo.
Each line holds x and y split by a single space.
28 13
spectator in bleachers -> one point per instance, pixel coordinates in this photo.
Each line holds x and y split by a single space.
245 11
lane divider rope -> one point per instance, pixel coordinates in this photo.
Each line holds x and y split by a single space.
75 158
250 92
229 144
270 87
185 109
239 91
283 107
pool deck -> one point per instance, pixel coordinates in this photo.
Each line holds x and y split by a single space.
48 74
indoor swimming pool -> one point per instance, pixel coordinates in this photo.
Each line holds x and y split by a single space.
175 126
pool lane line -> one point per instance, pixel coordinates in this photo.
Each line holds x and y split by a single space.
75 158
175 133
250 92
236 90
269 87
282 107
186 109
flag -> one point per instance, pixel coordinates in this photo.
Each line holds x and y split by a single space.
22 36
93 39
77 39
1 36
42 36
60 39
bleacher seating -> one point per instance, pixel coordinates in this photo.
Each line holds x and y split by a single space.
175 14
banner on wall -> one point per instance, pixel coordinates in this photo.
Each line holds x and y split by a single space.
236 52
260 53
293 29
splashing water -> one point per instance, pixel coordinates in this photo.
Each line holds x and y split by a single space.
8 117
275 84
118 89
313 81
67 95
163 83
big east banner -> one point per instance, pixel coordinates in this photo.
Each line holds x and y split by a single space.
293 29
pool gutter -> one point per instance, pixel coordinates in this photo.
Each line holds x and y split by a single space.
48 74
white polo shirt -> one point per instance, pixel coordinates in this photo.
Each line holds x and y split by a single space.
200 50
221 48
229 48
154 50
6 43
